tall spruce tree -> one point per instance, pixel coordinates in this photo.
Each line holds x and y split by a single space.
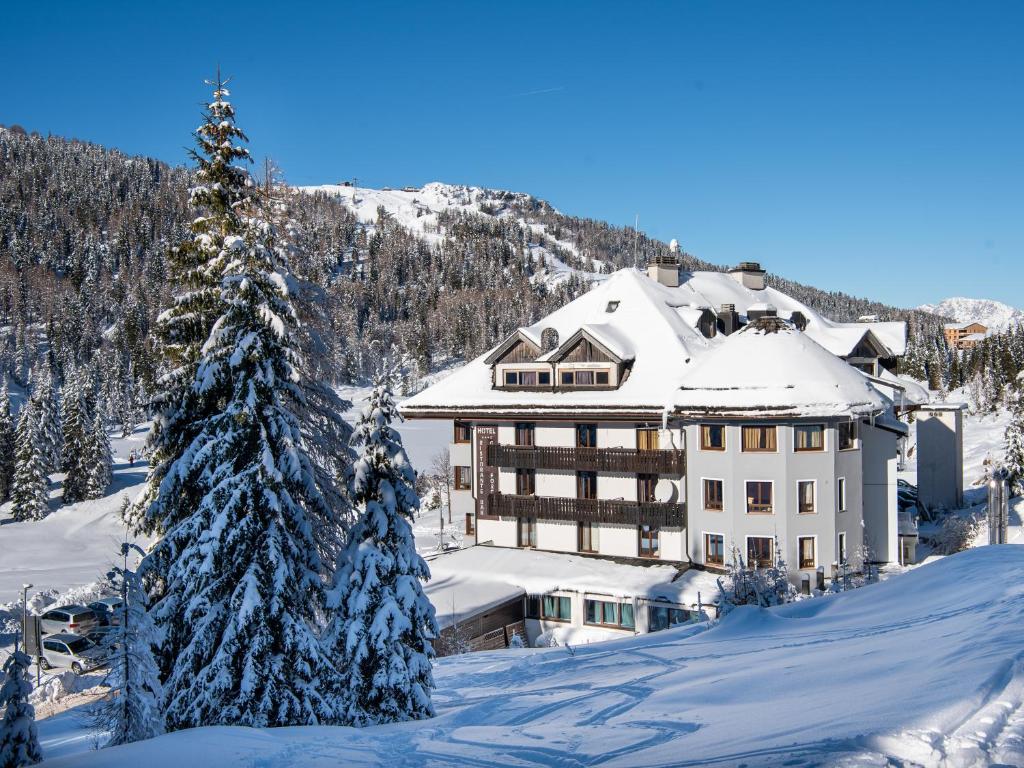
19 743
134 711
47 396
383 624
28 494
1014 460
76 427
98 459
6 443
240 571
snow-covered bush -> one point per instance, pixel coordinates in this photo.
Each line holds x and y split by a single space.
748 585
955 534
19 744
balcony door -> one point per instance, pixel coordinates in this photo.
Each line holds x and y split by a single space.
586 435
527 532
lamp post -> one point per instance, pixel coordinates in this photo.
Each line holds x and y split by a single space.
24 617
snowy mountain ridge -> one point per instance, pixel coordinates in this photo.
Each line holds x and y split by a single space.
995 315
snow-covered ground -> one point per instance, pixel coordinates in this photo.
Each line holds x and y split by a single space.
925 669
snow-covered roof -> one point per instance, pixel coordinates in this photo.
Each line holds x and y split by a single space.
655 328
769 368
913 392
489 576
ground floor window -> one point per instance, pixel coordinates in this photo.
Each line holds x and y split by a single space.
759 551
532 608
586 537
807 556
842 547
470 523
714 549
556 608
527 532
609 614
663 617
650 543
463 478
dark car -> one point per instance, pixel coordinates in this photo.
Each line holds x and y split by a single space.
106 610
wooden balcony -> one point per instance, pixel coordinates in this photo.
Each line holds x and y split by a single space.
658 462
588 510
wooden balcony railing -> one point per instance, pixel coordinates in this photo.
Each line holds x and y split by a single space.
658 462
588 510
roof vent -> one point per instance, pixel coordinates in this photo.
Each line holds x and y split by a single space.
612 306
757 311
728 319
549 339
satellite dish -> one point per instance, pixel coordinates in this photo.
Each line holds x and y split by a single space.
665 491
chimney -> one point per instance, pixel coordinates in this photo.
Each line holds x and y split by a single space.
728 319
749 274
757 311
665 269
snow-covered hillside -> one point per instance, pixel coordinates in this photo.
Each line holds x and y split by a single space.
857 679
417 210
994 315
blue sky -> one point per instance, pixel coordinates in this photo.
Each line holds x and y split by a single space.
871 147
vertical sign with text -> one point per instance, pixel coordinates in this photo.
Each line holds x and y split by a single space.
486 475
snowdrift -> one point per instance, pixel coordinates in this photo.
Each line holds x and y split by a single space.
924 668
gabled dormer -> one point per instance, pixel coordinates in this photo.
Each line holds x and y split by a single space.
866 353
595 357
515 365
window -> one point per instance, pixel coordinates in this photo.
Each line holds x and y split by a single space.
759 439
809 437
841 487
527 378
611 306
556 608
714 549
759 497
463 478
806 547
586 537
463 432
713 495
662 617
586 435
842 547
532 608
584 378
527 532
608 614
526 482
524 434
805 496
759 551
649 543
847 435
470 524
586 485
645 485
712 437
647 438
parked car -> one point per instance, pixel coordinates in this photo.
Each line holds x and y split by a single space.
106 610
67 650
76 619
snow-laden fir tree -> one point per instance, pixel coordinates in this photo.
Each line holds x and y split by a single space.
19 744
29 491
76 423
1014 460
98 461
6 443
241 576
383 626
47 396
133 710
223 188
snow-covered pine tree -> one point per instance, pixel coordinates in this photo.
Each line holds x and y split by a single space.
28 493
1014 460
19 744
195 265
98 459
47 396
76 427
383 626
238 508
6 443
134 711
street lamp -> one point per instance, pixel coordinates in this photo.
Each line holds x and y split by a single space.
24 616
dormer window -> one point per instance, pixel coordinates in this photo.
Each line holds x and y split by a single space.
584 378
527 378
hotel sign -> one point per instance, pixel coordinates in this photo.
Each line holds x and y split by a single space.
486 475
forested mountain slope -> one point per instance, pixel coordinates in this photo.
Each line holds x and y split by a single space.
432 275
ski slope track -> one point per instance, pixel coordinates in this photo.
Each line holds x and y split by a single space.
925 669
